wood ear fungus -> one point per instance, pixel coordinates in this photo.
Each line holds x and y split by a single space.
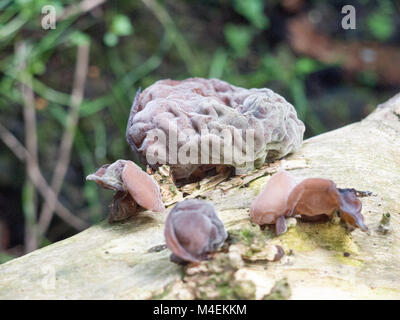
312 198
193 230
271 204
132 185
142 187
350 208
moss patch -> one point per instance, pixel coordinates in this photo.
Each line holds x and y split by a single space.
280 291
310 236
258 184
213 279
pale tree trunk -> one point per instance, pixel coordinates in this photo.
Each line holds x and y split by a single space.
325 261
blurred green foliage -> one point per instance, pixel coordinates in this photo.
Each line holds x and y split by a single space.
120 26
253 10
5 257
381 23
132 45
239 38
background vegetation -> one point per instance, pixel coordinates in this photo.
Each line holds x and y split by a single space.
65 94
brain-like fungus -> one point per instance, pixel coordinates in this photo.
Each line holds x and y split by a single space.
133 187
195 124
193 230
312 199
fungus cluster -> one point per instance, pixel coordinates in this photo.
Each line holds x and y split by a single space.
192 229
133 187
214 114
312 198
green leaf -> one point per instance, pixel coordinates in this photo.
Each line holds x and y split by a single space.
272 67
121 25
218 64
305 66
78 38
110 39
38 67
239 38
253 10
381 26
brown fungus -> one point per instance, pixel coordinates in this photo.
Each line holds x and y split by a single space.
132 185
122 207
142 187
213 114
312 199
193 230
315 197
350 208
271 204
109 175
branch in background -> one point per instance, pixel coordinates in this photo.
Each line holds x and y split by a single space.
60 170
37 178
30 199
354 56
79 8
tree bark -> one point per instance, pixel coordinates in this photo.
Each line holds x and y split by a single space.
323 260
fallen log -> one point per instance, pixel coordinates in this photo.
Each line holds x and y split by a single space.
323 260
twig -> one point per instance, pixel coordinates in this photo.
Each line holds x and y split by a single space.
60 170
180 43
37 178
79 8
31 235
